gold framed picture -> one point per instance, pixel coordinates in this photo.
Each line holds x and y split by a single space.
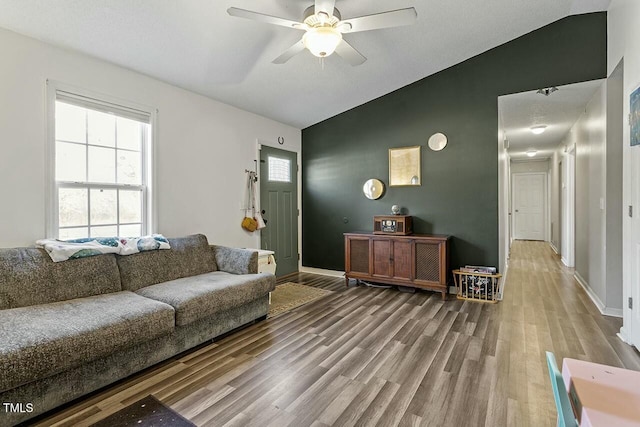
404 166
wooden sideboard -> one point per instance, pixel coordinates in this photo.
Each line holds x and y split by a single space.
416 260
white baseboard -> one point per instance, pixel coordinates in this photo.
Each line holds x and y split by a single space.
553 248
613 312
565 262
607 311
503 280
322 271
623 336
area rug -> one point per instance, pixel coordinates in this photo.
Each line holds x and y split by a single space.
289 295
147 412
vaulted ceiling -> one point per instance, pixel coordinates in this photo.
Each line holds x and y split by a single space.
196 45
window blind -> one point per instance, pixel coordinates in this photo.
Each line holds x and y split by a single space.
105 107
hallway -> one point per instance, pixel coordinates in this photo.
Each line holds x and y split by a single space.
544 308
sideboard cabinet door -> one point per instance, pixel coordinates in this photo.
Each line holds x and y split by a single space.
357 255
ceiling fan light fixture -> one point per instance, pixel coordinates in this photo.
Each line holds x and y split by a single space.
322 41
537 130
531 152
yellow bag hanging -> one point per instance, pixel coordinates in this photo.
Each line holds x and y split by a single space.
249 224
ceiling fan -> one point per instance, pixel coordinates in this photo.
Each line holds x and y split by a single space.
323 27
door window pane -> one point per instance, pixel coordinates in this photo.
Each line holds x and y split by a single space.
131 230
102 165
279 169
129 134
73 207
71 123
104 207
102 128
130 206
71 162
129 167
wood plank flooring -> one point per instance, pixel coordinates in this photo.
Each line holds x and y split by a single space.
367 356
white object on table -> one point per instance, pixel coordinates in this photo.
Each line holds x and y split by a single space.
602 395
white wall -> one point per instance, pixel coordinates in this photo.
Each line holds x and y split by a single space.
590 138
202 146
623 41
614 199
504 191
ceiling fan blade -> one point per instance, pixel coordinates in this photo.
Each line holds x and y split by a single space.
325 6
394 18
267 19
350 54
289 53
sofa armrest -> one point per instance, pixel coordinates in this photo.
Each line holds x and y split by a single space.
236 261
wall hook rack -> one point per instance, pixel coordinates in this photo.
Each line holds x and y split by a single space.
254 173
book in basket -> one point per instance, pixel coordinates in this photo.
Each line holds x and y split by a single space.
479 286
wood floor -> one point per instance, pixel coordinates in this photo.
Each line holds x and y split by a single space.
366 356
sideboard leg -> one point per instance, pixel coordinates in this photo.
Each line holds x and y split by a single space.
444 295
346 281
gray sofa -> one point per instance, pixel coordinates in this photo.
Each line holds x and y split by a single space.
69 328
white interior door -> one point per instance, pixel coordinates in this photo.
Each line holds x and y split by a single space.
529 202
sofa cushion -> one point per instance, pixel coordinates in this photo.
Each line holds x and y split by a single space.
188 256
42 340
28 276
198 297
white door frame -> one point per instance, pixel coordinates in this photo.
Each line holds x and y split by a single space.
545 199
568 207
548 210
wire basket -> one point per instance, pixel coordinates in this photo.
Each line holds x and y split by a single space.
475 286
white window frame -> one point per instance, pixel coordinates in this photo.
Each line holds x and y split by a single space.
149 208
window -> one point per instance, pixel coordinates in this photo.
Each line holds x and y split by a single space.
101 164
279 169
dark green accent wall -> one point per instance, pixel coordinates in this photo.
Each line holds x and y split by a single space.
459 192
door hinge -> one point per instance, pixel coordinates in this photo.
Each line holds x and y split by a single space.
630 211
298 212
298 257
630 303
629 117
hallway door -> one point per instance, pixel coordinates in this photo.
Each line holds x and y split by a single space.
529 202
279 204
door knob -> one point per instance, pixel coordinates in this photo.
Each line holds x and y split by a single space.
517 210
263 211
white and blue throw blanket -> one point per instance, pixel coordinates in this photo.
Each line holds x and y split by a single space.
62 250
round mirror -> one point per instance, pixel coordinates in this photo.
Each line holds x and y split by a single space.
373 189
437 141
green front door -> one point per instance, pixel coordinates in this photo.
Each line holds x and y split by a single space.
279 207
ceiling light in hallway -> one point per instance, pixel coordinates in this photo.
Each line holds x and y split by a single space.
537 130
